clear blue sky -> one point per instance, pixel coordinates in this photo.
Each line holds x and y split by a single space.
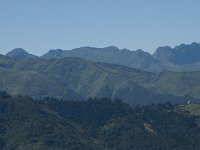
40 25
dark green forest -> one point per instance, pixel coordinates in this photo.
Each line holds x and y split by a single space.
94 124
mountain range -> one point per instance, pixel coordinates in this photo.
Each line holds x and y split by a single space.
88 72
181 58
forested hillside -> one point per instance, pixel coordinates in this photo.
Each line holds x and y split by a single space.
102 124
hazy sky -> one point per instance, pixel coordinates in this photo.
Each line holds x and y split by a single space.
40 25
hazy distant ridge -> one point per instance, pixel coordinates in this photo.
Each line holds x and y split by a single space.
181 58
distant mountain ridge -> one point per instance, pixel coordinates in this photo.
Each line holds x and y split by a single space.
183 54
181 58
19 53
135 59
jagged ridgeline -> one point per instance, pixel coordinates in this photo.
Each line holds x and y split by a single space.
95 124
180 58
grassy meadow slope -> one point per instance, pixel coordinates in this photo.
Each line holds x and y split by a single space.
75 78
